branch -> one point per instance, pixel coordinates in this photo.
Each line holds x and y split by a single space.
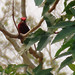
7 33
17 48
13 15
52 8
23 8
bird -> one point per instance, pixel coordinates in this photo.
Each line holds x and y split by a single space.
22 26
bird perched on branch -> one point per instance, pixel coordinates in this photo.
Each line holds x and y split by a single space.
22 26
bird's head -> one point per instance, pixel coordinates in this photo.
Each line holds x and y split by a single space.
23 19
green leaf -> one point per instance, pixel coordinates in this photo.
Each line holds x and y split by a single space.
45 72
73 73
72 67
45 9
34 37
20 65
63 24
67 61
40 35
37 69
64 33
64 54
67 9
1 69
73 11
50 19
71 4
45 39
12 68
69 16
47 4
38 2
9 69
73 50
27 73
64 46
65 3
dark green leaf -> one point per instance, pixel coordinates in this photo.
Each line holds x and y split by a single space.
38 2
73 50
71 4
37 69
47 4
45 72
67 9
72 67
34 37
45 39
42 36
64 46
27 73
65 3
69 16
64 54
45 9
64 33
73 11
67 61
63 24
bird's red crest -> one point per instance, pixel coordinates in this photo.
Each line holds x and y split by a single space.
23 18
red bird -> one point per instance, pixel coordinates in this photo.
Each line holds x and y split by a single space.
22 26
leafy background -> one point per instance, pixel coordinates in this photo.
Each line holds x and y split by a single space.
33 19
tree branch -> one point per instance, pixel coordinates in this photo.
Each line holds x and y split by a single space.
17 48
13 15
54 6
23 8
36 27
7 33
39 24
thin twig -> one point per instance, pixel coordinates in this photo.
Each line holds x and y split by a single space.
13 15
35 46
52 8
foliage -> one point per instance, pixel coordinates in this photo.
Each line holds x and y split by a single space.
43 38
67 33
11 69
38 71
